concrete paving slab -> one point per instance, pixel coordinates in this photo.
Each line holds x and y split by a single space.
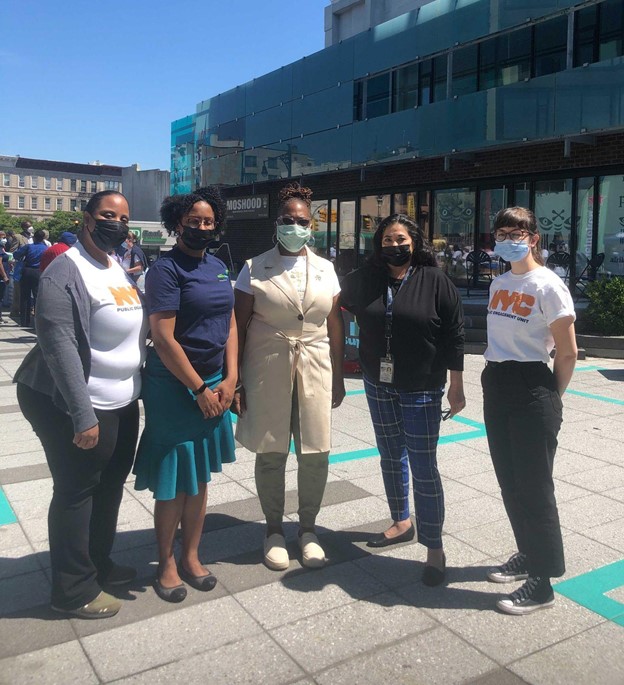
19 474
592 510
23 592
254 661
433 657
594 656
162 639
322 640
301 595
63 664
610 534
17 561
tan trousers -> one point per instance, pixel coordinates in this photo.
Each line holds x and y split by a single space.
311 478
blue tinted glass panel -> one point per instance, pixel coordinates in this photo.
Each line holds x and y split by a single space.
358 100
269 126
325 151
405 89
550 45
425 82
611 29
323 69
439 77
269 90
465 70
585 36
322 110
393 138
378 96
228 106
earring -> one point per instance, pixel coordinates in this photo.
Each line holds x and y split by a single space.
274 238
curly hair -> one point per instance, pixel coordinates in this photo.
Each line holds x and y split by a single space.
175 207
422 252
294 191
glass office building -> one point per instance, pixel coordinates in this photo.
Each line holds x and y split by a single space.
446 113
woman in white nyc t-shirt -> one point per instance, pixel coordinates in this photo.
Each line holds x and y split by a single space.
530 312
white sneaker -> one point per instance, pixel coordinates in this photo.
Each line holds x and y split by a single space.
275 552
312 552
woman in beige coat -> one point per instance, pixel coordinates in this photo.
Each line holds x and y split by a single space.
291 348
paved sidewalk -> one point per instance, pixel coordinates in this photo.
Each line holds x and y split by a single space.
366 618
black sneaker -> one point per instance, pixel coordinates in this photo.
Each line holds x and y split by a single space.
512 570
535 594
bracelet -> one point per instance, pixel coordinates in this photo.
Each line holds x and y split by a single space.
202 388
238 387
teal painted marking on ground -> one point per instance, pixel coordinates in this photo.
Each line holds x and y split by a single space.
444 440
355 392
6 513
590 591
600 398
590 368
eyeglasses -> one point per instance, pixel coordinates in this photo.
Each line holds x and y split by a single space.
515 236
195 222
292 220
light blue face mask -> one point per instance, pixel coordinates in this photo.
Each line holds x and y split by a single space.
293 237
510 251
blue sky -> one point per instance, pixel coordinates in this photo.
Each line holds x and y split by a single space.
83 80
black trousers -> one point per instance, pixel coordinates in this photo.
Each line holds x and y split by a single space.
29 288
523 413
88 488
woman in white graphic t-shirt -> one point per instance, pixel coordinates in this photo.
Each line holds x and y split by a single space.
79 389
530 312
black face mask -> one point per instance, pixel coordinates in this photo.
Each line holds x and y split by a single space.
396 255
196 238
109 235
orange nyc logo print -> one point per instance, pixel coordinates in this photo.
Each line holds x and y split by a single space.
125 296
520 304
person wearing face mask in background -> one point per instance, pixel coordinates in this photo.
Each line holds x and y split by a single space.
411 334
188 386
530 311
79 389
291 351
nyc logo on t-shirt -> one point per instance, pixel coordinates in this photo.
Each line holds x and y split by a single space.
512 305
126 298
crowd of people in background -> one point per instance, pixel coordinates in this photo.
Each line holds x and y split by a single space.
271 350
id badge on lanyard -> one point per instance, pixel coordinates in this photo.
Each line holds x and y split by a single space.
386 364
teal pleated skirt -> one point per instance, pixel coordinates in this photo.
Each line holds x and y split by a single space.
179 448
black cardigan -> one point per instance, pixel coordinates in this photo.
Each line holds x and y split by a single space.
427 325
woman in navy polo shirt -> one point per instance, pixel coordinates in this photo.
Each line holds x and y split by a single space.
189 382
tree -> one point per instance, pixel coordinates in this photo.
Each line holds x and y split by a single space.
60 222
8 221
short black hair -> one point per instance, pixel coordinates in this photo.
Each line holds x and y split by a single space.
175 207
422 252
39 236
94 200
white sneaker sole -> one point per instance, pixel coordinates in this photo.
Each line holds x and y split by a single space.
508 608
494 578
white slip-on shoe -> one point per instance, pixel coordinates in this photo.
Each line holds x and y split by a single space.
275 552
313 555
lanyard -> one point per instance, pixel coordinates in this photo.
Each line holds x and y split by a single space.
389 304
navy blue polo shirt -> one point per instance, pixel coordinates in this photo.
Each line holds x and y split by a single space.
200 292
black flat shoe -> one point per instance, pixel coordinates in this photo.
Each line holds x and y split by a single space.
382 540
433 576
202 583
170 594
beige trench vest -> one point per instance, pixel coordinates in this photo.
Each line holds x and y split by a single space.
287 340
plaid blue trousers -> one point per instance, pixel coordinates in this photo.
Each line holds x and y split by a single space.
407 426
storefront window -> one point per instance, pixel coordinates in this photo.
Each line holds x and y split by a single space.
406 203
522 195
611 225
454 230
584 219
373 208
319 210
553 211
345 260
491 201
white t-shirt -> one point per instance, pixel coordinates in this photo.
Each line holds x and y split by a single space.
118 326
296 267
520 311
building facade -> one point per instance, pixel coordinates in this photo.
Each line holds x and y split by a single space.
39 187
447 113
